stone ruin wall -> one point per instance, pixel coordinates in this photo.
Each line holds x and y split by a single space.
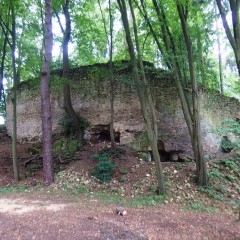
90 97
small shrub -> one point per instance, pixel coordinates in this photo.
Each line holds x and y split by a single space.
114 154
213 193
197 206
122 179
104 169
232 165
66 147
215 173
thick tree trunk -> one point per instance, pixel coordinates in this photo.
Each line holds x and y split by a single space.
45 98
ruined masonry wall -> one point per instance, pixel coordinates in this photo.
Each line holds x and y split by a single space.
90 97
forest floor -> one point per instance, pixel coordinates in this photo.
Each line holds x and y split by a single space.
77 206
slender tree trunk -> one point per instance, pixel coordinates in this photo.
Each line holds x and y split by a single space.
220 62
111 75
145 15
67 92
113 143
144 92
45 98
171 50
201 60
2 67
12 45
234 38
78 130
14 100
219 55
188 114
196 137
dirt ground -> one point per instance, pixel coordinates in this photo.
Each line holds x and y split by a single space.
45 213
41 218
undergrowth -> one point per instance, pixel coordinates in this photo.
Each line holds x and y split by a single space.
12 189
104 169
66 147
105 166
224 181
138 201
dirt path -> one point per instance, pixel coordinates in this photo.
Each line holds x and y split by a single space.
24 218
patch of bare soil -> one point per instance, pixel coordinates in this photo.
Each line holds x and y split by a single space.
77 206
31 219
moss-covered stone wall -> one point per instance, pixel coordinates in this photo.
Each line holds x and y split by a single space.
90 97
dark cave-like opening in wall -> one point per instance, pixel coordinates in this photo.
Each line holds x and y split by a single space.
167 156
171 156
101 133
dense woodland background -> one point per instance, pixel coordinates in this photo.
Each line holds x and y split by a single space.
197 42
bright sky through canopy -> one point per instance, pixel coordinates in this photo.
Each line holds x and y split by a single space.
1 120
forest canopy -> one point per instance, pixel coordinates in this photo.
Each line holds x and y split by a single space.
90 35
213 25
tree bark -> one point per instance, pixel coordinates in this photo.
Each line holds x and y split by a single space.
111 74
2 67
113 143
77 129
12 33
171 50
14 99
189 114
45 98
144 92
234 38
196 136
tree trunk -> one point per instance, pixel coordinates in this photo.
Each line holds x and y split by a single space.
113 143
234 38
12 45
144 92
219 54
189 114
2 67
111 75
45 98
14 102
201 60
14 99
196 137
78 130
171 50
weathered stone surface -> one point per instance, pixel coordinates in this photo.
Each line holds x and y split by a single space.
90 97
